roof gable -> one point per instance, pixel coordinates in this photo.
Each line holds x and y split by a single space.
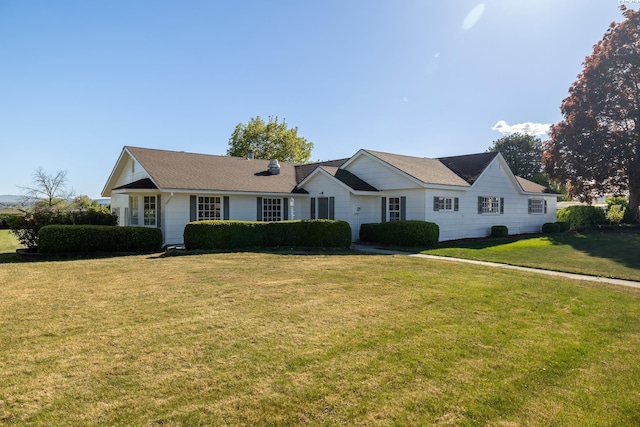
344 177
422 169
469 167
303 171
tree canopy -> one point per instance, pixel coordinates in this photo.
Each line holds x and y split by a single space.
271 140
523 153
48 190
596 147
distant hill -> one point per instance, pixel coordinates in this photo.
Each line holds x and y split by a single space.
10 199
14 199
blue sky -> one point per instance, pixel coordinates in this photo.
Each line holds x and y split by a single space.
81 79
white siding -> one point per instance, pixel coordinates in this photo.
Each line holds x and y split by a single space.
321 185
177 212
494 182
130 174
121 203
175 217
381 176
369 213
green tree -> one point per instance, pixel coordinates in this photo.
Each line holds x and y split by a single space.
596 147
523 153
83 202
272 140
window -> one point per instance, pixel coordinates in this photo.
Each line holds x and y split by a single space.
208 208
149 210
271 209
394 209
445 204
490 205
537 206
133 210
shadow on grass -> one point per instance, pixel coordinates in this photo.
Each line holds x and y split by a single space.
12 257
273 251
621 245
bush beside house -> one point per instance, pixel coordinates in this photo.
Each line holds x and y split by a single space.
98 238
26 227
243 234
582 216
402 233
499 231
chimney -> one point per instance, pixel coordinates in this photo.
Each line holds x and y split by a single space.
274 167
250 155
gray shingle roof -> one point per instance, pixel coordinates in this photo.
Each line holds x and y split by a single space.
177 170
426 170
303 171
349 179
532 187
470 166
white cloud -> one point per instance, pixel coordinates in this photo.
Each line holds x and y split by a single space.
528 128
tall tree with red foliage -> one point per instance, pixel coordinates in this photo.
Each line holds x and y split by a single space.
596 148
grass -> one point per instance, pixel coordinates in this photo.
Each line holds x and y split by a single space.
595 253
8 243
276 339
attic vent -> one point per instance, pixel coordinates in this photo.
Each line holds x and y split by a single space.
274 167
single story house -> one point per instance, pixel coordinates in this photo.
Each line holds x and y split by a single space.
464 195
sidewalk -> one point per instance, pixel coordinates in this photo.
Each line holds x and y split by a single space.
619 282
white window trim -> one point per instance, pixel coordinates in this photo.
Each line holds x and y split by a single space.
269 209
442 204
394 211
200 202
542 207
134 211
146 219
492 210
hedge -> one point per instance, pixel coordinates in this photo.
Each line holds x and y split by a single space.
402 233
550 227
555 227
582 216
98 238
242 234
499 231
7 219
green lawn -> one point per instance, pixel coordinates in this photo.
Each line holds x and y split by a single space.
608 254
8 243
276 339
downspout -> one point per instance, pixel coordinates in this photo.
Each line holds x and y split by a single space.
169 199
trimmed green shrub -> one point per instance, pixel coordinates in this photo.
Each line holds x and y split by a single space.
617 200
550 227
26 227
615 214
7 219
368 232
401 233
242 234
564 226
98 238
499 231
582 216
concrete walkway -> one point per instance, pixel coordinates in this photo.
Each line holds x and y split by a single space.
619 282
